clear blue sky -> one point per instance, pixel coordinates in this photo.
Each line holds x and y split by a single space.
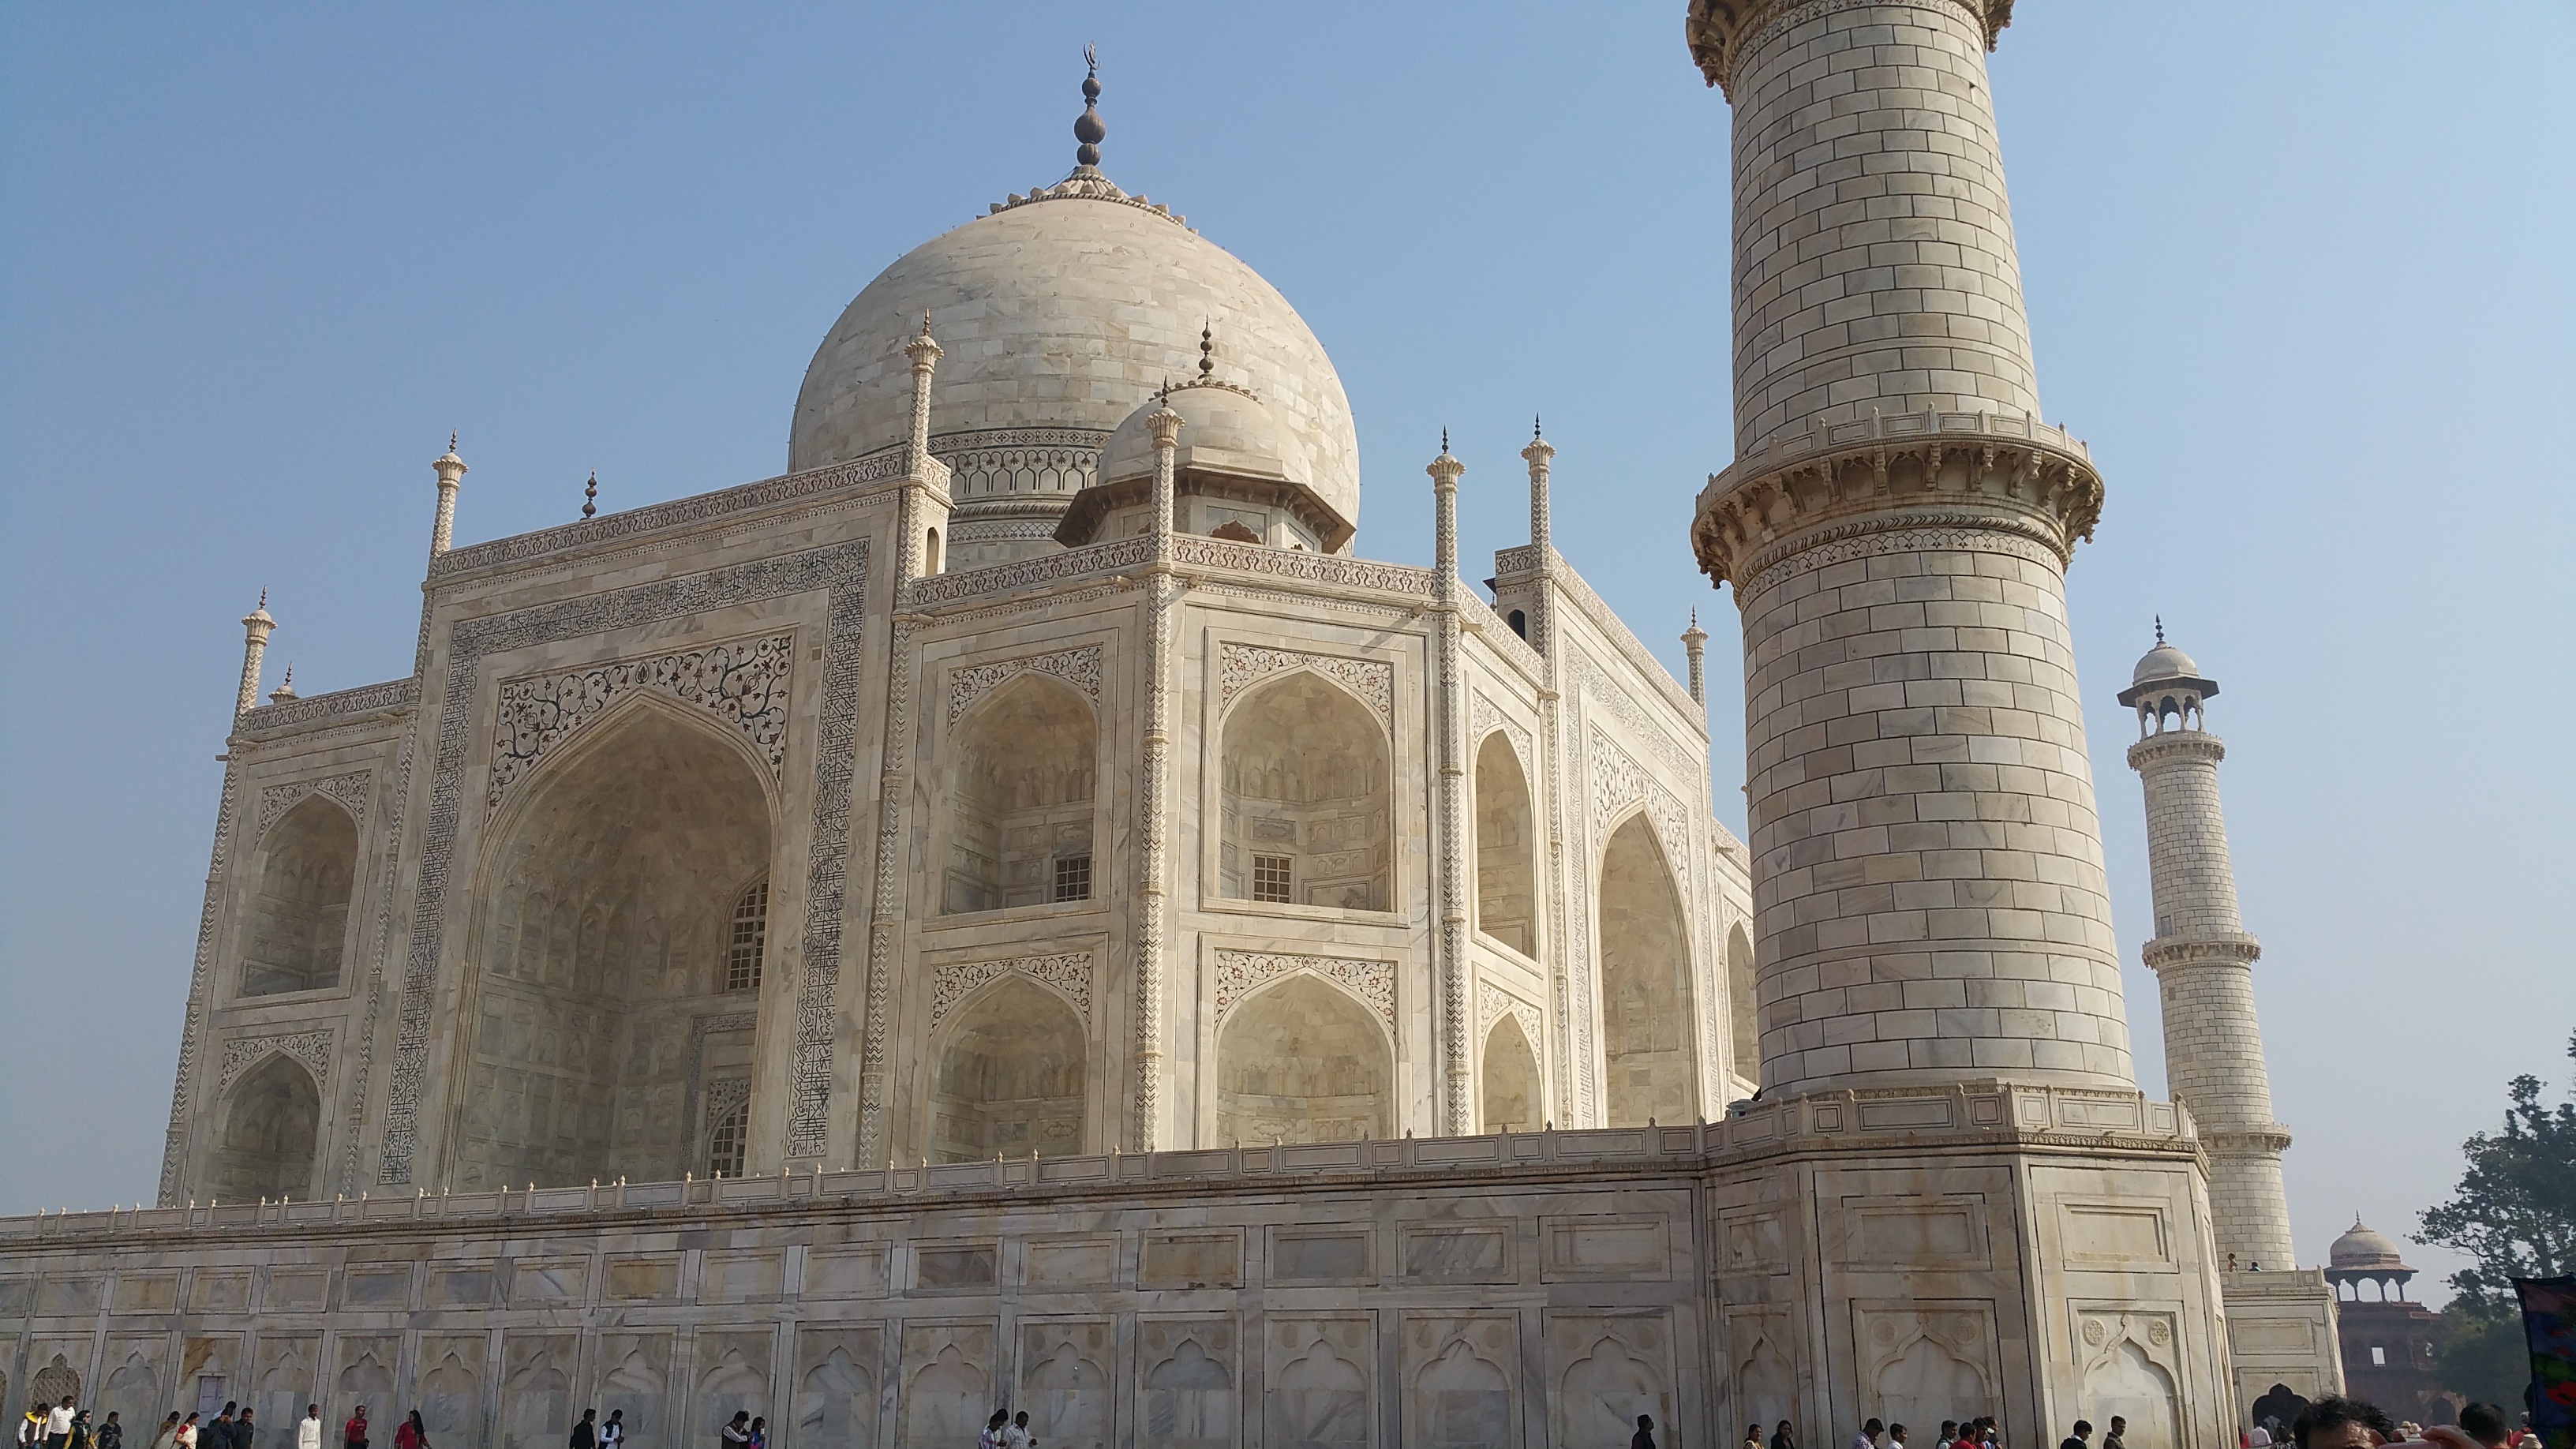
2298 271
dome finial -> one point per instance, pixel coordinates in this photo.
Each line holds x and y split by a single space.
590 495
1088 127
1207 348
2160 628
1535 432
1444 442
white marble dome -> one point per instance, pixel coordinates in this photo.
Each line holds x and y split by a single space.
1223 430
2162 663
1069 311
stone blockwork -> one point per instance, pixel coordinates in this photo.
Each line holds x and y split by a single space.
1541 1288
1873 239
1929 878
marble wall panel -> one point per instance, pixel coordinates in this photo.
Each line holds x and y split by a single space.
286 1377
838 1373
1321 1255
634 1378
1068 1368
733 1377
1319 1380
362 1373
1189 1378
536 1389
146 1293
948 1382
1461 1379
1606 1369
133 1378
1057 1264
448 1384
856 1270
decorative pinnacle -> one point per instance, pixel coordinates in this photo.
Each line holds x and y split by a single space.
924 349
1088 128
451 440
2160 638
1207 349
590 495
1535 434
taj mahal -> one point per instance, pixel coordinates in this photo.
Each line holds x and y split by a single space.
1020 911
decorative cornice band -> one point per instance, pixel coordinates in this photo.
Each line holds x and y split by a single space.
884 465
2166 951
343 704
2176 745
1957 470
1722 32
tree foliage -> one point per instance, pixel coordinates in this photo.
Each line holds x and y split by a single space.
2514 1210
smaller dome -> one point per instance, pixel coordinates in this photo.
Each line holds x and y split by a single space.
2164 662
2363 1248
1224 429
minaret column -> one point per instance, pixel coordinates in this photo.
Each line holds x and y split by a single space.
256 626
1928 884
1153 796
1457 1116
2204 961
451 476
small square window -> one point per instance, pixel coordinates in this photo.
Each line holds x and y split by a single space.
2378 1356
1270 878
1073 877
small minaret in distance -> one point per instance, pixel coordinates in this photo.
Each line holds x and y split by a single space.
1695 643
451 475
2204 961
255 630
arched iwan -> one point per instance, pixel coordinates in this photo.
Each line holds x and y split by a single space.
610 898
1645 983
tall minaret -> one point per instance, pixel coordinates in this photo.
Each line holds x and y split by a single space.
255 631
1928 885
2204 961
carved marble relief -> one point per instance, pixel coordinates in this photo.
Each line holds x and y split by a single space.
1319 1376
2130 1368
1068 973
311 1049
1461 1379
1077 667
1605 1370
1067 1368
1241 973
1187 1382
1921 1359
1240 666
350 790
835 1388
744 682
947 1382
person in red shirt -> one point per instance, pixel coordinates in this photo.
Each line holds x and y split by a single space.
354 1433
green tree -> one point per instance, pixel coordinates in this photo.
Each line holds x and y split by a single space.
2514 1212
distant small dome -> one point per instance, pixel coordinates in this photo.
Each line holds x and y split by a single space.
2363 1248
1223 430
2164 662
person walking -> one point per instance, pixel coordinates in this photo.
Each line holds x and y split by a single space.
991 1438
411 1433
612 1435
353 1434
80 1438
308 1430
760 1433
1867 1438
1644 1438
58 1424
2118 1436
186 1434
167 1436
110 1435
736 1434
1783 1438
1017 1436
1752 1436
2079 1439
585 1435
1896 1436
243 1430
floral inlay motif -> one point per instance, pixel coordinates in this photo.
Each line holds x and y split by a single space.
349 789
1618 782
1240 666
241 1053
1241 973
1068 972
1077 667
743 682
1493 1004
1482 716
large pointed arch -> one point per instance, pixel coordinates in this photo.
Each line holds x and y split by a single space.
1303 1060
1743 1005
1506 847
1022 769
269 1134
607 891
1009 1075
1307 783
1646 1035
1509 1081
298 922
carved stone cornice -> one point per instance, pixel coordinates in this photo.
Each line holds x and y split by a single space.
1913 471
1721 32
2269 1140
2176 745
2196 950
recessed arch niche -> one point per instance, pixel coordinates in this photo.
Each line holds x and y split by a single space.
1009 1076
1308 781
607 903
1022 768
1506 862
272 1124
1645 982
1303 1062
1743 1005
299 910
1510 1079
